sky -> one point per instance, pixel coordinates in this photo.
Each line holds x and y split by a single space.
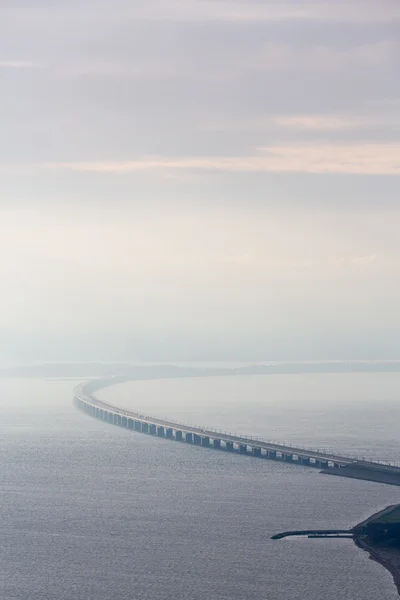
199 180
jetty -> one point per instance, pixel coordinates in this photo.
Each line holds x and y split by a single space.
379 535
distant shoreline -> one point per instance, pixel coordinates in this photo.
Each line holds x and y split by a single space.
164 370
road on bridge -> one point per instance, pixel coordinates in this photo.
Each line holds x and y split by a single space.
313 455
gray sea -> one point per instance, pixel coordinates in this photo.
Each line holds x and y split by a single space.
93 512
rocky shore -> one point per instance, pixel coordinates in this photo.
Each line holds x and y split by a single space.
386 555
379 535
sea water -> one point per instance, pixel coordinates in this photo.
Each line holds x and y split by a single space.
94 512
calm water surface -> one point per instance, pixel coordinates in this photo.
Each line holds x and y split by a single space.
90 511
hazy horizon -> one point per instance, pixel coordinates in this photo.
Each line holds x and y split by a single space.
199 181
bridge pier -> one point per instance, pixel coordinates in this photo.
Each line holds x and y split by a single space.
86 402
322 464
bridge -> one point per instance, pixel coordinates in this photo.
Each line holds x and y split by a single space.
330 463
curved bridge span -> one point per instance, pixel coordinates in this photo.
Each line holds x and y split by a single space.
85 400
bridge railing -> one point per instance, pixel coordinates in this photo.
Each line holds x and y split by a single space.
329 455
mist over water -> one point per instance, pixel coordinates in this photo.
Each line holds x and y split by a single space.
93 512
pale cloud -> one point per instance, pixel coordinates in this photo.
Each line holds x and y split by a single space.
193 270
255 11
350 158
208 11
165 155
268 58
364 260
325 122
278 56
18 64
383 119
267 263
150 68
237 259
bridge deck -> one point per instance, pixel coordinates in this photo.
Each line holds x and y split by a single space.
315 456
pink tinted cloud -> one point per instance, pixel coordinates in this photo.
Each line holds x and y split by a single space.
350 158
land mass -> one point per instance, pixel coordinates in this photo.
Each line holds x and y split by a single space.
147 371
379 535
